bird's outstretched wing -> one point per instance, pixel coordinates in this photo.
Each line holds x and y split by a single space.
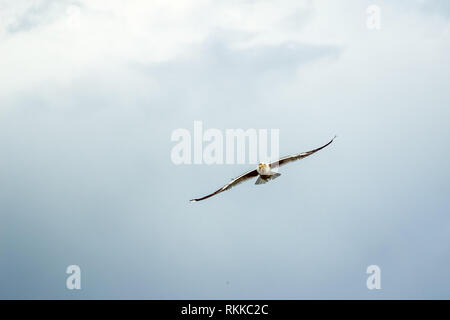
299 156
231 184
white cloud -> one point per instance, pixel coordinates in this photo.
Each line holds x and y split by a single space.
53 42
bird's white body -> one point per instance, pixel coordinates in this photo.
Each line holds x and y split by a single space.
263 169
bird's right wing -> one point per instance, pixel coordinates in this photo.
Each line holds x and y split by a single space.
231 184
299 156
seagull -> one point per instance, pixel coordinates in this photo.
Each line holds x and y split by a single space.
264 172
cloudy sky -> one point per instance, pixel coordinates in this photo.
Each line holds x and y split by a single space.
91 92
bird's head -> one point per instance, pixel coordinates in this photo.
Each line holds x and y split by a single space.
261 165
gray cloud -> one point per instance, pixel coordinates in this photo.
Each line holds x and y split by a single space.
25 15
435 7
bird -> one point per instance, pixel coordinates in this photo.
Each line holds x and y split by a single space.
264 171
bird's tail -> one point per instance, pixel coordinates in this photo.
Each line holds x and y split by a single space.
261 180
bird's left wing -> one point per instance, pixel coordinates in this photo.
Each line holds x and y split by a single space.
299 156
231 184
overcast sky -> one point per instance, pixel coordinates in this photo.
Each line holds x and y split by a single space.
91 91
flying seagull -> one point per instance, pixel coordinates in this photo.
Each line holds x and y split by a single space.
263 171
